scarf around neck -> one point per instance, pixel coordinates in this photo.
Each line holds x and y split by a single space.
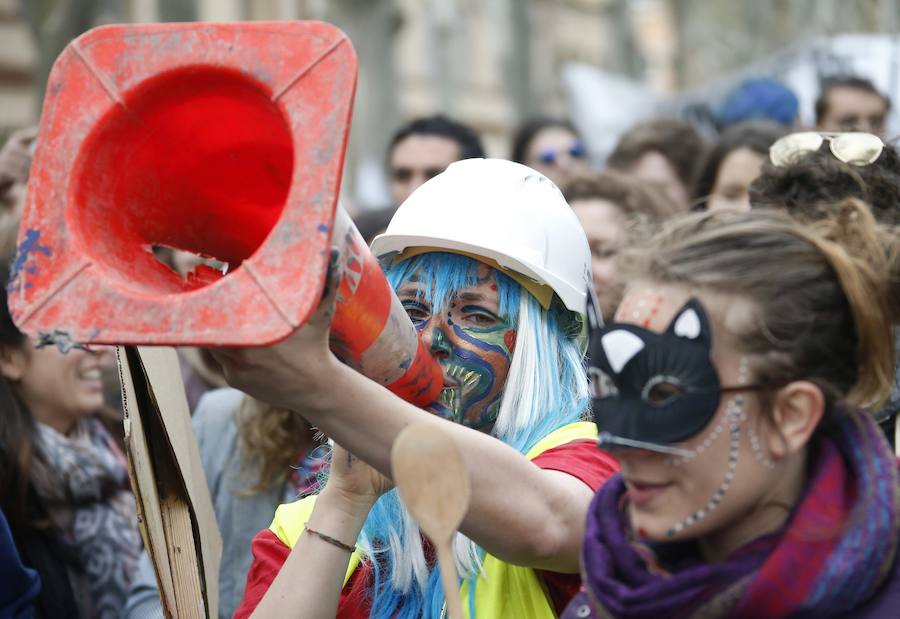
82 482
834 552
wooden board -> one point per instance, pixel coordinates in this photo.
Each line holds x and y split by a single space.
174 506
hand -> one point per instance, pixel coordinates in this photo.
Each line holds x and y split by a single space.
294 370
353 482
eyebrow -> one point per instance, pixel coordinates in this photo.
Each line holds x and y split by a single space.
477 297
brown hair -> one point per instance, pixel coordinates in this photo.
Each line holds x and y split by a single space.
631 197
814 180
274 439
820 292
674 139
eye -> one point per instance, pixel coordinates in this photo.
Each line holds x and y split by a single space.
416 310
479 317
661 390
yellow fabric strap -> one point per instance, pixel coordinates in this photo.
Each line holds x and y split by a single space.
542 292
503 590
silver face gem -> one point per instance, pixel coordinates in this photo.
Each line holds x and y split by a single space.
734 416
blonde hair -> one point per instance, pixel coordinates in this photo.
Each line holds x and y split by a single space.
823 293
273 440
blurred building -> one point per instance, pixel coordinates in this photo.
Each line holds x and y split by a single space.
489 63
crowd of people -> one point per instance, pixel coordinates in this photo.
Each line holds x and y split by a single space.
672 379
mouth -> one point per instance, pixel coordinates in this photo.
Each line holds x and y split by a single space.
91 378
641 492
91 374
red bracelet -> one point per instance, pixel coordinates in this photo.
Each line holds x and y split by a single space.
329 539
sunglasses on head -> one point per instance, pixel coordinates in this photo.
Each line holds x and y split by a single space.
854 148
550 156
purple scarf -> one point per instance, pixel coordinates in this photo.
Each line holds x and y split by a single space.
836 549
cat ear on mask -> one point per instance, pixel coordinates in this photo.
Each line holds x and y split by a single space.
691 323
611 349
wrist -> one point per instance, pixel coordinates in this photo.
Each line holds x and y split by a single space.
350 505
314 393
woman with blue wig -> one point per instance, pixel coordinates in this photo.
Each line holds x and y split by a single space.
492 267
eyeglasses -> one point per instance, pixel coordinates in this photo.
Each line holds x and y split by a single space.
855 148
550 156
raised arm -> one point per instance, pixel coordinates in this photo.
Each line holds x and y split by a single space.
518 512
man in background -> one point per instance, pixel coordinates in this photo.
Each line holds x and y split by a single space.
851 104
419 150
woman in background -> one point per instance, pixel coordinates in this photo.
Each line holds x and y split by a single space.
754 483
63 480
733 163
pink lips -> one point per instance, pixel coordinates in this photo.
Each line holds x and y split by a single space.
640 492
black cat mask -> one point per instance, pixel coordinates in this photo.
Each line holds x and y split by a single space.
665 388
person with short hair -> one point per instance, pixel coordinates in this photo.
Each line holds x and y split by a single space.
423 148
851 103
611 207
664 152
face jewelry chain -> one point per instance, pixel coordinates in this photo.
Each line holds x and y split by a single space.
758 451
734 416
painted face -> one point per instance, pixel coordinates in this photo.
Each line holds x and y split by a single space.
666 389
473 345
691 457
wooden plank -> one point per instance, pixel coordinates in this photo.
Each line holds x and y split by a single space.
143 483
170 486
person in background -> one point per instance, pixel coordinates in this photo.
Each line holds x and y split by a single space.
611 206
255 457
732 164
552 147
851 104
759 98
807 173
63 481
423 148
806 179
664 152
15 163
419 150
753 484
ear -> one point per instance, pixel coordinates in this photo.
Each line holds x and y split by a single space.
691 323
797 411
13 362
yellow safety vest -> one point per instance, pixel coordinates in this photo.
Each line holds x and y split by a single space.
502 590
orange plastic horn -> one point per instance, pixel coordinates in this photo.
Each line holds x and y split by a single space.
223 140
370 330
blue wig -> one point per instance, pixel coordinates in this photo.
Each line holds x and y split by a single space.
546 389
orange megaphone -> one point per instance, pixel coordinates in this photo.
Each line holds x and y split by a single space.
224 140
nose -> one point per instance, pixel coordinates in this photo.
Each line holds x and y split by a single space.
435 337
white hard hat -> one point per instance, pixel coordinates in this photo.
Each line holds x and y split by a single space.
504 213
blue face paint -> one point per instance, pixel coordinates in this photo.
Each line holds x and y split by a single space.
474 347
